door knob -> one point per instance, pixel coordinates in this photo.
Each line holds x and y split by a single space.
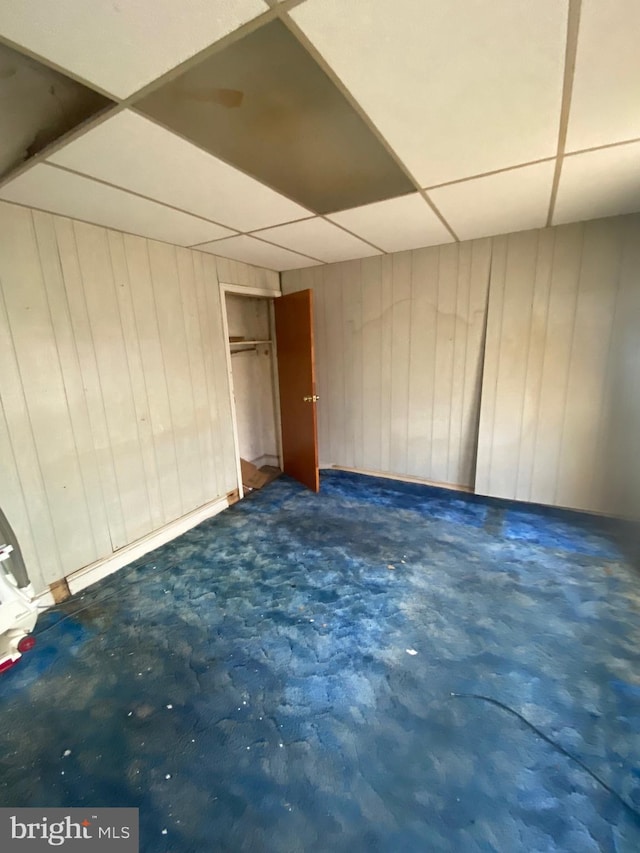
313 399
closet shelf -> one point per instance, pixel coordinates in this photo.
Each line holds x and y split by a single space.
246 343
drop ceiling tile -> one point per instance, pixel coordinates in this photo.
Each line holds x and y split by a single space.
397 224
604 100
39 105
252 251
599 183
497 204
264 105
121 46
319 239
136 154
456 88
47 188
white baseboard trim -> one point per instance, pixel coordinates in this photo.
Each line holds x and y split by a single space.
44 599
88 575
404 478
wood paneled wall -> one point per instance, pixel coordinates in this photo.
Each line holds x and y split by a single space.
399 357
560 414
115 415
401 368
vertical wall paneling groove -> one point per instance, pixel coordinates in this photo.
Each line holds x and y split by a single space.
154 375
101 457
114 401
199 391
400 336
219 358
136 377
386 294
552 401
214 461
372 322
115 387
618 476
166 288
89 501
32 377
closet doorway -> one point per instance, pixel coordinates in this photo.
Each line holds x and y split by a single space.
273 390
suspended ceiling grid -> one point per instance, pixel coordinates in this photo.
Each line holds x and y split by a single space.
288 134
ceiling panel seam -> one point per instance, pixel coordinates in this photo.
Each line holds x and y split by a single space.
571 50
308 45
286 248
186 139
353 234
601 147
25 51
489 174
71 136
101 225
145 197
254 236
197 58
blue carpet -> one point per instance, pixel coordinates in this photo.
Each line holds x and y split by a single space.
279 679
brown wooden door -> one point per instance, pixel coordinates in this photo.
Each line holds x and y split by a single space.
297 385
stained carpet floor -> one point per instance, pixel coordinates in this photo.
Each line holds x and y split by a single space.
279 679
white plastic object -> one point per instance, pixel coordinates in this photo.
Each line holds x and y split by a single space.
18 614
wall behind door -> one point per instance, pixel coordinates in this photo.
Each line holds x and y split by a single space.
115 415
399 359
401 367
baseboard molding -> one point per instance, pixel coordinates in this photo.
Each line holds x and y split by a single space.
45 599
88 575
404 478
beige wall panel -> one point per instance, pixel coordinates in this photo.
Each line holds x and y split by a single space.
155 381
617 478
114 400
175 359
27 510
473 321
560 373
227 479
124 297
555 374
386 299
235 272
76 402
444 377
336 391
74 289
372 322
401 337
115 382
213 477
352 355
15 507
400 348
535 361
195 352
39 409
423 337
590 346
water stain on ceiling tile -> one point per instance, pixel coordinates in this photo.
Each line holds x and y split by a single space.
37 106
264 105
